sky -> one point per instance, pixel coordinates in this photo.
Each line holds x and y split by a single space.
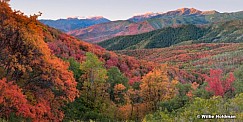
117 9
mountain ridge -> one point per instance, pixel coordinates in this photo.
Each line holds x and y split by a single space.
72 23
184 16
181 11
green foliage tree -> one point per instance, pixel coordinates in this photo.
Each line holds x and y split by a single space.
235 106
93 68
94 102
159 116
238 84
94 78
202 106
115 77
198 107
179 100
202 93
75 67
82 110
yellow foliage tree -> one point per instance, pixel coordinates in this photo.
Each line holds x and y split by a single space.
157 86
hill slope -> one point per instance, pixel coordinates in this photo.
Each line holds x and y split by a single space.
155 39
227 32
32 78
195 57
108 30
36 78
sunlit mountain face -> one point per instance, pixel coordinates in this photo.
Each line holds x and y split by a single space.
178 12
152 21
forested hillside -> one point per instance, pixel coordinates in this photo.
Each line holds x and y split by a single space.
155 39
41 66
203 56
222 32
34 83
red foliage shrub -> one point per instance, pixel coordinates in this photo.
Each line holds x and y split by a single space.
217 84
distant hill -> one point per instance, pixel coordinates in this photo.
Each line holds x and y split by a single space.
100 32
155 39
227 32
69 24
149 22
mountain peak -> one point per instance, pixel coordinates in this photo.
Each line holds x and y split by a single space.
177 12
187 11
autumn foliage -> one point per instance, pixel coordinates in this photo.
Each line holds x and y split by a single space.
157 86
46 75
217 84
40 82
13 100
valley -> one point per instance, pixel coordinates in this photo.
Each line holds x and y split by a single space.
173 66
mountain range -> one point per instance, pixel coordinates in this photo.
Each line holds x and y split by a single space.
178 12
147 22
73 23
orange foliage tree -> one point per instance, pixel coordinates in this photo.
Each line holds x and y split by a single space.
157 86
27 61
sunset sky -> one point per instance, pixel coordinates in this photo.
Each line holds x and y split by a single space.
117 9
